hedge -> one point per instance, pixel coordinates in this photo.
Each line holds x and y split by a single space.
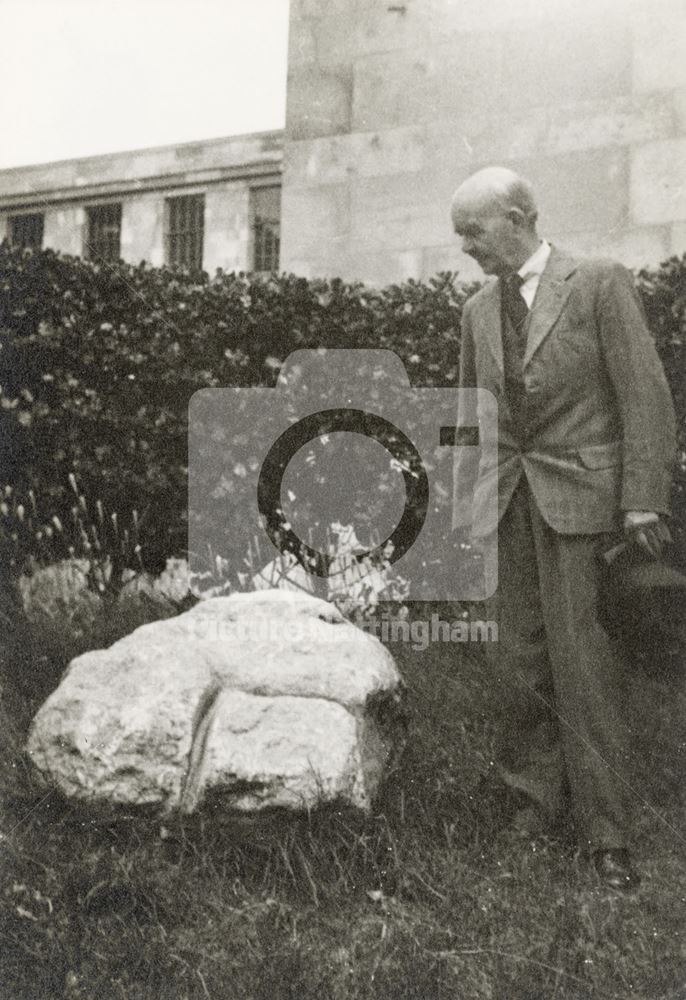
98 363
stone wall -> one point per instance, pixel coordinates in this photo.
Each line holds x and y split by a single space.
391 103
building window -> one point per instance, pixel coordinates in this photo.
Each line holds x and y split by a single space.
104 233
27 230
266 214
185 231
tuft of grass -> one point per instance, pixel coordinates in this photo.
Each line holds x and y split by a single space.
32 534
431 896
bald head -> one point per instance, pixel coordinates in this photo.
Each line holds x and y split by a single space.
497 187
494 211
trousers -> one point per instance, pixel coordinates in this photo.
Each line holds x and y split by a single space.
561 682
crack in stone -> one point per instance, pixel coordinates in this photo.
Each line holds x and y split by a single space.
202 722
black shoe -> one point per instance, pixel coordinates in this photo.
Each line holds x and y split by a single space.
615 870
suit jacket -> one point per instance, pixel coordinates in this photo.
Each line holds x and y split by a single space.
599 433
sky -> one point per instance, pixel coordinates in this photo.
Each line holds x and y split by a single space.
81 77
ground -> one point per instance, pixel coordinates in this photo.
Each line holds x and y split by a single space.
433 896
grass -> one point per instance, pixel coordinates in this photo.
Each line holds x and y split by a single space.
433 896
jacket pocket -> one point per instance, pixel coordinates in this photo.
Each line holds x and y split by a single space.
600 456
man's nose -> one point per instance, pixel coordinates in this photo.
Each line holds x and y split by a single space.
467 245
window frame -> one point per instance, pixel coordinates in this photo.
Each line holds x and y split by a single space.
258 254
101 249
193 259
17 217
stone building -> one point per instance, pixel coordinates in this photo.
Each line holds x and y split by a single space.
201 204
390 104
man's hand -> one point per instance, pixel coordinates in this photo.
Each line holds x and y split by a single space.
647 530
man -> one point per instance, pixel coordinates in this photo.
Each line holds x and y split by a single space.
586 443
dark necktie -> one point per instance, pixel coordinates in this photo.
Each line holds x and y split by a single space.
513 301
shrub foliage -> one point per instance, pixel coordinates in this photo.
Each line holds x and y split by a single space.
98 364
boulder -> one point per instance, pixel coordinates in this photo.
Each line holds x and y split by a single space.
60 593
69 592
255 701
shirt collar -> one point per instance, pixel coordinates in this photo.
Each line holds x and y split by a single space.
536 263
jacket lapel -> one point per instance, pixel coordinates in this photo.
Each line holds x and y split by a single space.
489 322
553 291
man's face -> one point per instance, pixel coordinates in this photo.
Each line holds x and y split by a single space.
488 235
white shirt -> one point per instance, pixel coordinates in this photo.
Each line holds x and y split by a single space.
531 271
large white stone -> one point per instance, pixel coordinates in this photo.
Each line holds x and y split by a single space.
69 593
267 699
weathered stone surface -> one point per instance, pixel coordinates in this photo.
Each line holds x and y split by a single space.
679 102
322 211
397 211
533 71
337 159
659 32
658 192
620 122
106 173
398 88
380 266
636 247
259 700
69 592
319 101
119 727
277 752
227 227
457 146
278 642
599 178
